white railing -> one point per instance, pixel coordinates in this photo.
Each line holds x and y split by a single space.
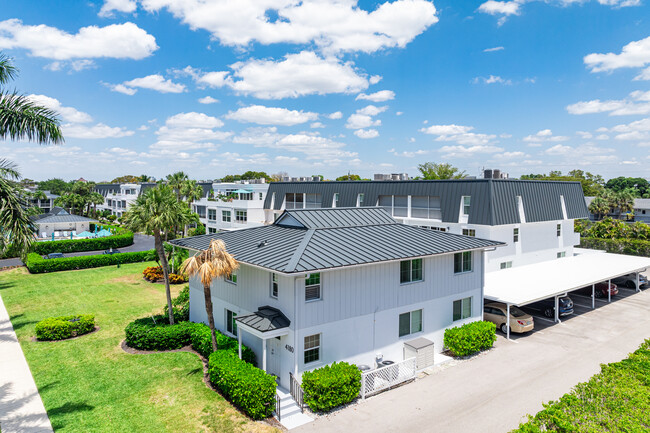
386 377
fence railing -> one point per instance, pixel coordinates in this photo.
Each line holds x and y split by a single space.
386 377
277 407
296 392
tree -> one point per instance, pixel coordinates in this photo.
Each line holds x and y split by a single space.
348 177
277 177
191 191
624 201
592 184
55 186
176 181
638 185
95 198
145 178
129 178
249 175
70 201
157 211
599 206
207 265
16 229
432 170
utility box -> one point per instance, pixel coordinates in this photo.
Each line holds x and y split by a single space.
422 350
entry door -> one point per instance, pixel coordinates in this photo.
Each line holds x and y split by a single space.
274 354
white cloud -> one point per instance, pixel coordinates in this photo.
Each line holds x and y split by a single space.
638 102
493 49
188 131
586 153
371 110
643 76
544 136
97 131
316 125
366 133
380 96
633 55
193 120
126 6
208 100
446 129
492 79
363 118
69 114
121 88
374 79
584 134
461 135
153 82
335 115
271 115
468 151
118 41
409 153
214 79
493 7
332 25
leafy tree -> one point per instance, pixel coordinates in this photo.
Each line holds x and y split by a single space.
55 186
432 170
143 178
70 201
129 178
592 184
249 175
277 177
624 201
638 185
349 177
158 211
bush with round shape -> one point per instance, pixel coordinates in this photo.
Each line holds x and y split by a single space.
155 333
470 338
62 327
331 386
201 340
246 386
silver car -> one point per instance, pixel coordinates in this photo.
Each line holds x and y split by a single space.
629 281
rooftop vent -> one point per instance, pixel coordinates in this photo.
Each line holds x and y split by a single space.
262 244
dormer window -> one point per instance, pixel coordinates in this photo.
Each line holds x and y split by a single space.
466 204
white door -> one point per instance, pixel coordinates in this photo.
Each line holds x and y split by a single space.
274 357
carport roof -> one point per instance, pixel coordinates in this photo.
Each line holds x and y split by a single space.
526 284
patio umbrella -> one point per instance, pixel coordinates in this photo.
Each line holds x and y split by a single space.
52 235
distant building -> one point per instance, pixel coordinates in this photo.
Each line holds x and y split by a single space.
60 223
45 204
641 210
119 197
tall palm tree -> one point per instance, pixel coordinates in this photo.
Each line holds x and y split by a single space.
207 265
176 181
625 201
191 191
157 211
145 178
16 229
95 198
599 207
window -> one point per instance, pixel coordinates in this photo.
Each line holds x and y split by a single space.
211 230
225 216
425 207
515 235
396 205
212 214
261 196
274 285
335 201
558 230
124 204
200 210
561 254
313 201
241 216
410 323
312 287
312 348
360 199
231 325
410 271
506 265
232 278
293 201
466 203
462 309
469 232
462 262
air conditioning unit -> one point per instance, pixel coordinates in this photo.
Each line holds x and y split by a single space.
422 350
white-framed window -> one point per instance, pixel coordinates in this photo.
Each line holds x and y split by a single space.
410 323
410 271
231 278
462 309
294 200
241 216
312 287
396 205
225 216
335 200
558 230
212 214
261 196
561 254
466 204
469 232
313 201
360 198
212 230
312 348
423 206
463 262
515 235
231 325
274 285
506 265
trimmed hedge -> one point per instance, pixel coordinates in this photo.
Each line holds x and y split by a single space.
157 334
470 338
631 247
201 340
75 245
62 327
38 265
331 386
246 386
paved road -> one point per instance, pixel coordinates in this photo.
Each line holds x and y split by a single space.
494 391
140 243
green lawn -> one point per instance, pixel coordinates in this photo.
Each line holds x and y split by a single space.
89 384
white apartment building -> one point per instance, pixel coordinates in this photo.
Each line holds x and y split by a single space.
119 197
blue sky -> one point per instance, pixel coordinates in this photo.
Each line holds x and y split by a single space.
331 86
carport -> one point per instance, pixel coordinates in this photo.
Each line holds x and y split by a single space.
524 285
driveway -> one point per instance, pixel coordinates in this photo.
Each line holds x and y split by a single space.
140 243
494 391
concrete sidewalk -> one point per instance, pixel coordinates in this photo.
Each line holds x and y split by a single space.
494 391
21 407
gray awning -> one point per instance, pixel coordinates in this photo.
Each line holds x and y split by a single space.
266 322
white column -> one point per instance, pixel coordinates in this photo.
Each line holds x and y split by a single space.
609 290
638 289
239 331
593 296
557 308
508 321
264 355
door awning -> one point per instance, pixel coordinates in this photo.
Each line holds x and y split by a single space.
267 322
530 283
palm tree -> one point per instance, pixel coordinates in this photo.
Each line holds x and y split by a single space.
191 191
157 211
145 178
625 201
208 265
16 229
599 207
176 181
95 198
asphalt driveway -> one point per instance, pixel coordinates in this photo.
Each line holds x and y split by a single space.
493 392
140 243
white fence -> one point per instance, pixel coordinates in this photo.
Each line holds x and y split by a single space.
383 378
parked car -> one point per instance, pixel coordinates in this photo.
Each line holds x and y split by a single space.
520 322
54 256
629 280
112 251
601 290
547 306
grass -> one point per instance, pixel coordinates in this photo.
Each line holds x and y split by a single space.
89 383
615 400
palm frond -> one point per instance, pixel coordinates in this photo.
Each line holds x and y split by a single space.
9 169
21 118
15 226
8 71
210 263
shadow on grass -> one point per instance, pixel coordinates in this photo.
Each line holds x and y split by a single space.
17 323
194 371
5 285
66 409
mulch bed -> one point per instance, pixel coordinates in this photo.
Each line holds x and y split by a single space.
66 339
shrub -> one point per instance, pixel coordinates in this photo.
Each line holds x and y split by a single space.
470 338
62 327
631 247
38 265
157 334
180 306
74 245
196 231
331 386
177 279
202 342
246 386
153 273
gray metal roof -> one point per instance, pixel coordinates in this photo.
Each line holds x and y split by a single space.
296 249
343 217
494 202
59 215
265 319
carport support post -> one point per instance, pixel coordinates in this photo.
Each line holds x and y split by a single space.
557 309
593 296
508 321
609 290
638 289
